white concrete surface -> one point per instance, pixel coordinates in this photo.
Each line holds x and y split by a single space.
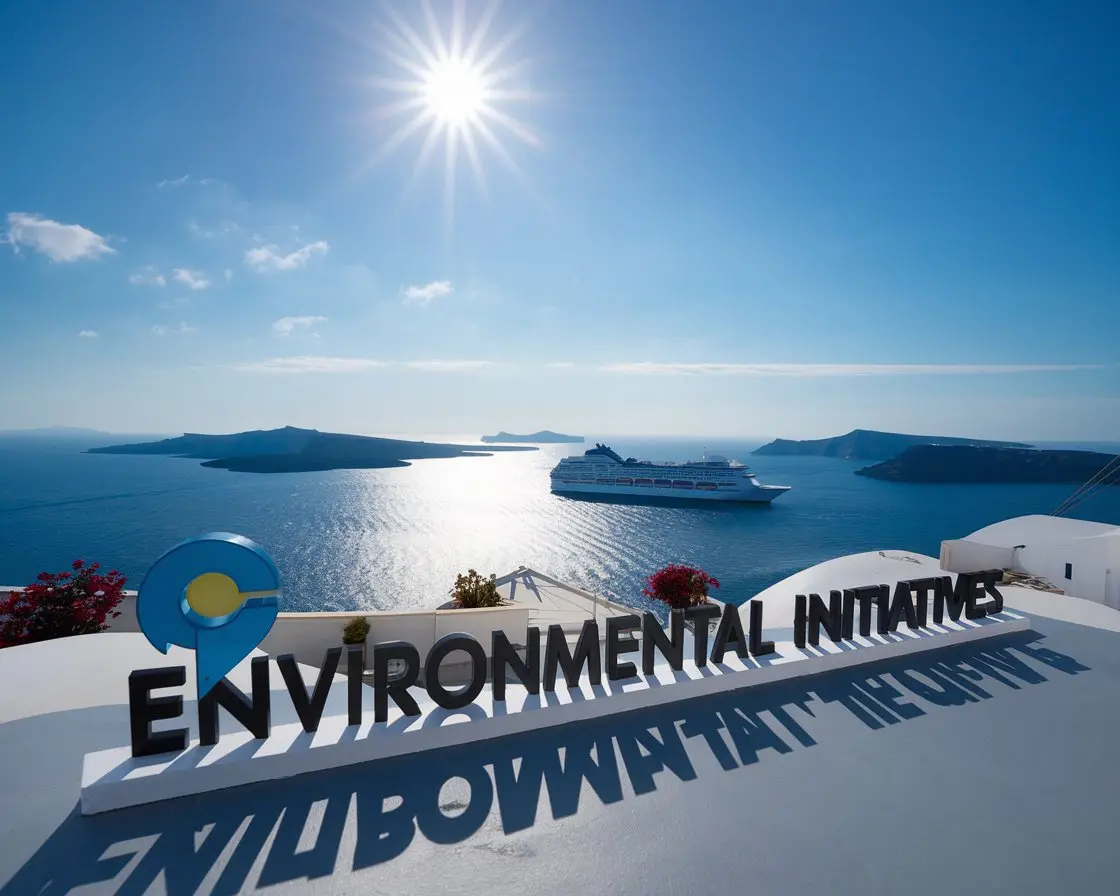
112 779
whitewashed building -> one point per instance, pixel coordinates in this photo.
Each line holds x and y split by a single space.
1080 557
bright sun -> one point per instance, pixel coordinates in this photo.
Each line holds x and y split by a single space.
451 87
454 91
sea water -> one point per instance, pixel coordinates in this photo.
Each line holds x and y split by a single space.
395 539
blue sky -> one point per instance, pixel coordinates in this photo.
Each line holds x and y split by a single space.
704 218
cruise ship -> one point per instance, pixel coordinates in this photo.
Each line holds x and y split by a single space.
601 471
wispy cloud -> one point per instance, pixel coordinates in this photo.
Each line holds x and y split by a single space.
835 370
88 334
310 364
59 242
147 276
268 258
561 364
182 328
172 304
437 366
319 364
190 279
422 295
287 325
184 180
226 228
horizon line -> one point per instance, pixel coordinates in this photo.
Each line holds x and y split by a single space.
79 431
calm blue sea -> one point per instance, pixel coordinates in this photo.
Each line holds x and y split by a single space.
388 539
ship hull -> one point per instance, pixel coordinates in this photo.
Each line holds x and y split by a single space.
762 494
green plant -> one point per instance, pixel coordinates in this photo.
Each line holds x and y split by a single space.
473 591
355 631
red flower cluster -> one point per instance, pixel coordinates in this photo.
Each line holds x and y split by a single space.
61 604
679 586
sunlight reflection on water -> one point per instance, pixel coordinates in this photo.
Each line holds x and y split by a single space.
395 539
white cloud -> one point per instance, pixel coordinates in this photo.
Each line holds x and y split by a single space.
184 180
177 302
268 258
319 364
834 370
88 334
310 364
147 276
286 325
59 242
225 229
183 328
448 366
422 295
190 279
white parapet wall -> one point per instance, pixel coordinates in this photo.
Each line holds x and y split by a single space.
961 555
308 636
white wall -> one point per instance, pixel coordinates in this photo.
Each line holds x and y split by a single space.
307 636
1112 587
127 621
1091 558
960 555
1095 562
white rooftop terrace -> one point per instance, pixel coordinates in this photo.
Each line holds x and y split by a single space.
1005 739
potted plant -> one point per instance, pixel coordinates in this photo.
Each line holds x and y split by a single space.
355 632
472 591
57 605
679 586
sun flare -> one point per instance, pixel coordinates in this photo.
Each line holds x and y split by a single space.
454 91
451 88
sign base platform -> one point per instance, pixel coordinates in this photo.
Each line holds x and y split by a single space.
113 779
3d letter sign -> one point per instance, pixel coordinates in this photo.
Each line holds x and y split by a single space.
218 595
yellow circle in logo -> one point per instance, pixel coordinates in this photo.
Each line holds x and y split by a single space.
213 594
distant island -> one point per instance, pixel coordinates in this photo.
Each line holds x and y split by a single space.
544 437
293 450
867 444
982 464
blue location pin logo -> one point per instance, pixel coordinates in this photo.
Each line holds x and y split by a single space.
217 595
